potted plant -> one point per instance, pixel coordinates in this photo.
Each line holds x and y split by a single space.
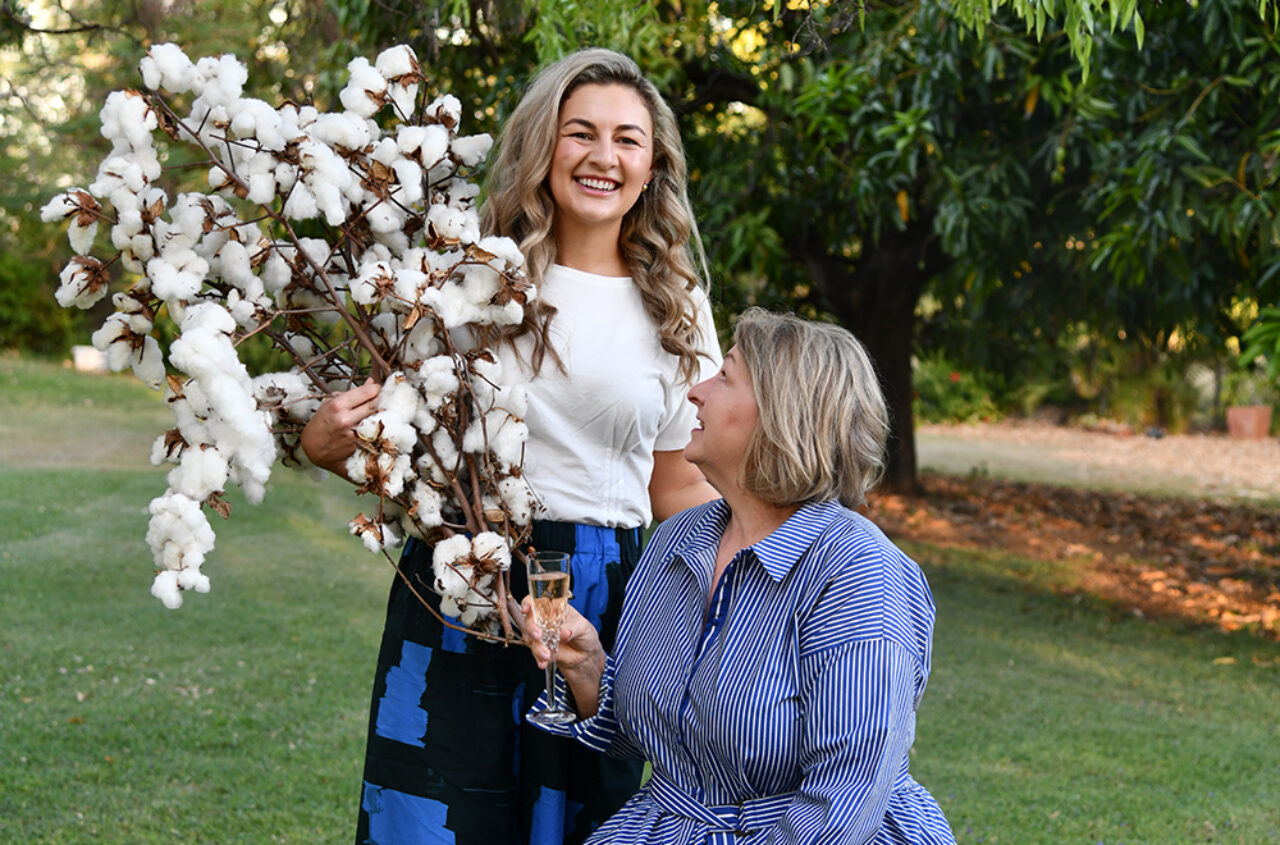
1249 391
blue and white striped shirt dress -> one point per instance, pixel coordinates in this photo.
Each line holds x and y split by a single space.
784 711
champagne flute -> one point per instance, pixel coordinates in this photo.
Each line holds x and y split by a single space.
549 586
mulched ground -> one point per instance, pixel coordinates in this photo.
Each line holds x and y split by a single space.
1202 561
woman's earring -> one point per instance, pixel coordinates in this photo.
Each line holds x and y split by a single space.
646 187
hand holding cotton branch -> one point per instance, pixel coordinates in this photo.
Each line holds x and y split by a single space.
353 246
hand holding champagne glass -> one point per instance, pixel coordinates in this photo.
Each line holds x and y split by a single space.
549 591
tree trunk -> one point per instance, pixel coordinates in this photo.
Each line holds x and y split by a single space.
876 298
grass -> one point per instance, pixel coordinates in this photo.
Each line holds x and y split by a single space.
1050 717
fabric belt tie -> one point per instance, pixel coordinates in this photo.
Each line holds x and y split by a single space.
726 821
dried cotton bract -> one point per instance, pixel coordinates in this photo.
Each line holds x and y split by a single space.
404 281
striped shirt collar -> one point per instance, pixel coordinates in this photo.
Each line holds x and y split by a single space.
778 552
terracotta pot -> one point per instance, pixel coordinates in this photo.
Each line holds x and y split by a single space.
1249 422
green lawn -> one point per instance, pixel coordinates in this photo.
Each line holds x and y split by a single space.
240 717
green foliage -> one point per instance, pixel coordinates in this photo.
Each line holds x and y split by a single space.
947 394
1262 342
29 317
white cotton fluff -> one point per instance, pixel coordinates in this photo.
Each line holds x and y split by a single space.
421 342
461 195
504 250
409 179
166 66
446 109
429 504
365 90
409 282
205 352
470 150
399 398
492 547
390 427
373 283
252 118
377 536
171 284
148 363
127 120
60 207
202 471
446 450
220 81
518 498
180 537
165 588
77 282
451 563
397 61
439 379
451 306
113 340
290 395
109 178
301 204
480 283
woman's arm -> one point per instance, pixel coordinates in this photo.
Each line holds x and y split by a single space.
676 485
329 436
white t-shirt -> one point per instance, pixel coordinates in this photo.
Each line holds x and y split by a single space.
593 428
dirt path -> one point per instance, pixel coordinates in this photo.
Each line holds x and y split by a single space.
1191 543
1187 464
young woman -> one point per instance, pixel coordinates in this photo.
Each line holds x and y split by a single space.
589 179
774 644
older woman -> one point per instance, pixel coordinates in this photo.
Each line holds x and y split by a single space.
774 645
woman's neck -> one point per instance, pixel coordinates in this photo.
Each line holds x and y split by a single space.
751 519
591 251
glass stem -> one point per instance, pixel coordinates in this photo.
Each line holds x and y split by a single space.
551 687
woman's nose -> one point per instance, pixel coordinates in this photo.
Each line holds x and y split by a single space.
604 153
695 393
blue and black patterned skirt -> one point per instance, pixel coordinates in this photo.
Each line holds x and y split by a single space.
450 757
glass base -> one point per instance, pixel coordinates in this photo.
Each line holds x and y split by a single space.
553 717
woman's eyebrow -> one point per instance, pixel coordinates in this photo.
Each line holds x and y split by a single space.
631 127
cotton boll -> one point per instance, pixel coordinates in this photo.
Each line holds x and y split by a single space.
193 579
148 363
504 250
340 130
471 149
202 472
434 146
446 450
165 588
83 282
171 284
220 81
518 499
488 546
439 378
399 398
409 177
301 204
365 90
446 110
395 62
428 504
166 66
451 563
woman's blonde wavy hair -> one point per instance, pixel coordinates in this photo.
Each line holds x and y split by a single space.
823 423
659 237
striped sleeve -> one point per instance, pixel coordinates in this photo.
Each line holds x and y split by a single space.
600 732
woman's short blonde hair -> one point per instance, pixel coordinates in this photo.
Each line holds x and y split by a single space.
823 422
659 237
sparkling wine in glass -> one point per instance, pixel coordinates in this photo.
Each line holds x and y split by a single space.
549 586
